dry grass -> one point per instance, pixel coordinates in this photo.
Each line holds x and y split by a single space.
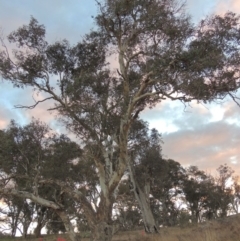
227 229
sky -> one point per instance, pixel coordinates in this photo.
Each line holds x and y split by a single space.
202 135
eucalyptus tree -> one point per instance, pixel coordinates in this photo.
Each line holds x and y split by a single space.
236 192
225 189
161 55
42 216
219 201
167 190
30 159
210 197
197 190
12 212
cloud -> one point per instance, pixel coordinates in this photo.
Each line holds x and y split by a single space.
227 5
204 144
11 97
178 116
202 135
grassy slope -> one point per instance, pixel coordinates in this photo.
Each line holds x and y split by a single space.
227 229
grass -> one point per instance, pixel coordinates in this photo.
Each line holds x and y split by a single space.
226 229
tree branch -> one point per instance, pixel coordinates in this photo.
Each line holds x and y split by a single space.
234 98
88 209
27 195
32 106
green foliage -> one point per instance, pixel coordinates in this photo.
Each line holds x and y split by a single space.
29 155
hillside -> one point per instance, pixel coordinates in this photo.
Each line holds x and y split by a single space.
227 229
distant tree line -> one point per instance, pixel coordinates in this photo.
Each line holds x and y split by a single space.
177 196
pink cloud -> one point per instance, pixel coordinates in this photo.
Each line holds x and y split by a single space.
228 5
207 147
3 124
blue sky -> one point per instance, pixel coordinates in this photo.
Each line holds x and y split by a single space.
206 136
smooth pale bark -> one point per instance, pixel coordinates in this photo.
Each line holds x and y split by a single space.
100 222
102 228
27 195
148 219
143 201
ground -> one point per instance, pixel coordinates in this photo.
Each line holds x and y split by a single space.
226 229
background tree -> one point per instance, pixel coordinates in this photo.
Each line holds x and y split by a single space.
197 188
236 194
209 197
161 55
42 216
167 190
26 158
224 183
11 212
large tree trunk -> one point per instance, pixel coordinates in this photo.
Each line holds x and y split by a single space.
102 232
143 201
14 223
68 225
14 230
102 227
37 230
41 221
25 230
